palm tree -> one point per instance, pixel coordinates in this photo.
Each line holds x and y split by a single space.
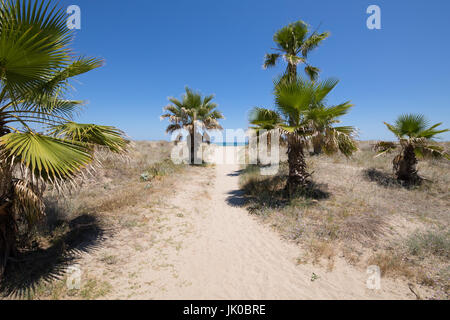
415 137
295 102
294 43
322 117
39 142
263 122
192 113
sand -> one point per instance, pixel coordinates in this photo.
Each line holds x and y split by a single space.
209 247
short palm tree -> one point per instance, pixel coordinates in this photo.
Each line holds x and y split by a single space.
294 42
263 122
295 102
192 113
415 139
39 142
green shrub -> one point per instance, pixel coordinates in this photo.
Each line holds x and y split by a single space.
435 243
159 169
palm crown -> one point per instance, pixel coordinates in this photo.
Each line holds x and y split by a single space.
294 43
193 112
297 116
39 142
415 139
298 113
414 130
264 119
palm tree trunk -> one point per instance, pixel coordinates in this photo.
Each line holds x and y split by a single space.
317 144
405 165
258 162
297 165
291 71
192 153
8 228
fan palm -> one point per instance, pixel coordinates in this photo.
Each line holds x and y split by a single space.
415 136
295 102
192 113
294 43
39 142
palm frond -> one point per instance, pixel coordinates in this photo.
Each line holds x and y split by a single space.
270 60
394 130
171 128
411 125
92 135
58 82
384 147
262 116
47 157
47 107
27 202
423 148
293 97
323 88
312 72
33 44
313 42
340 139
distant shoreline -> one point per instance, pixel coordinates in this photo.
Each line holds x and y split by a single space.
231 144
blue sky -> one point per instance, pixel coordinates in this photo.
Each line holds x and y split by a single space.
153 49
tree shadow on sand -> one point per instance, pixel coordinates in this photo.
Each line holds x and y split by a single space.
270 192
34 265
235 174
387 180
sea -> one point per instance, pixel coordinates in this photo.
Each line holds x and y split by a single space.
231 144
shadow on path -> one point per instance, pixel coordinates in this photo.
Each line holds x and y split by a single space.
26 271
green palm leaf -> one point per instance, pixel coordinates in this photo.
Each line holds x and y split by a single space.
33 44
313 42
312 72
270 60
92 135
47 157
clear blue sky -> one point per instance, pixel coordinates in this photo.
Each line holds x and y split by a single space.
153 49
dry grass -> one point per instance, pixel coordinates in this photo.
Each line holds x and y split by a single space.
358 211
80 221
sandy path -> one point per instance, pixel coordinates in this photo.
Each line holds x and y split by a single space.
205 246
232 256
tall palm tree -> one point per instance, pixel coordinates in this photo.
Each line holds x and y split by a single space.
39 142
294 42
192 113
295 102
415 139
